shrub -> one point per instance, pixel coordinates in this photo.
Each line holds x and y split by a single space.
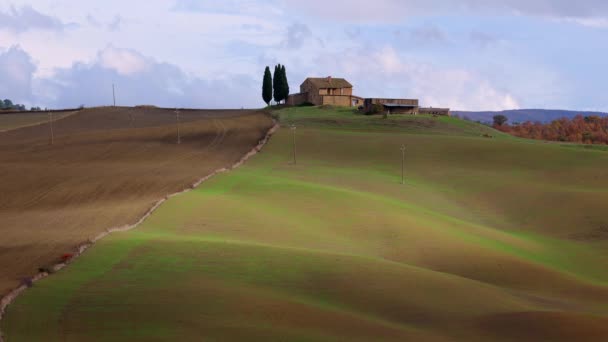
375 109
500 120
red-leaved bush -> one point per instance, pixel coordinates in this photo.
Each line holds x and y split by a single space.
580 129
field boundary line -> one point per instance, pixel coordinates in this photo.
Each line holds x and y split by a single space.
39 124
12 295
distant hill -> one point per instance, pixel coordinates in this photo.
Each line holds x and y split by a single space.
522 115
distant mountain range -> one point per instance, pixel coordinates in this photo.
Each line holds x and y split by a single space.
522 115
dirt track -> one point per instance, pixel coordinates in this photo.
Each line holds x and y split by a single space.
106 168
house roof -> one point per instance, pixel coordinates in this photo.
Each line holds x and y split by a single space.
434 109
399 105
326 82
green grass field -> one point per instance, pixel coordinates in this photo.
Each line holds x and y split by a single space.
489 239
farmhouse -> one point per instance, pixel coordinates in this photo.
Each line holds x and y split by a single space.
339 92
325 91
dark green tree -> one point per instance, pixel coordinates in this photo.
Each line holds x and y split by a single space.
8 104
284 83
267 86
277 81
500 120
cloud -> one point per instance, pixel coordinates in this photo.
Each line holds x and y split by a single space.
91 20
483 39
428 35
26 18
17 70
600 23
388 74
123 61
115 24
235 7
353 33
297 35
252 27
139 80
395 10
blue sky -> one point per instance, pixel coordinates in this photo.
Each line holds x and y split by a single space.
465 54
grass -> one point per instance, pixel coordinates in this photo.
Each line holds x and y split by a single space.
486 235
348 119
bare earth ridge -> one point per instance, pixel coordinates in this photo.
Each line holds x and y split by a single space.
106 168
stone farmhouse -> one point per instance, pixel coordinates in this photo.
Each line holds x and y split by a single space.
326 91
339 92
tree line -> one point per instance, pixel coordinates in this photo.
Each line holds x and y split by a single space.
580 129
275 85
9 105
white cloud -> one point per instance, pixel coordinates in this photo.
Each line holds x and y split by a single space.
427 35
115 24
26 18
123 61
385 73
483 39
209 44
138 78
17 70
297 34
599 23
242 7
395 10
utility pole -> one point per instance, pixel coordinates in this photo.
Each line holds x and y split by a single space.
403 164
179 138
113 94
51 127
131 118
293 129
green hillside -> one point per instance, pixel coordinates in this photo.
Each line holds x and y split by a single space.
488 239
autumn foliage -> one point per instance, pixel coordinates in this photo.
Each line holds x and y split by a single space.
580 129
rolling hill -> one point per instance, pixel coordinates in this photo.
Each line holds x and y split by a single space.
499 239
106 167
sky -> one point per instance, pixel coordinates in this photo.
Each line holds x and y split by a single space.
462 54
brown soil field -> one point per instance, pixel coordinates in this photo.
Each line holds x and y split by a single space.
13 120
106 168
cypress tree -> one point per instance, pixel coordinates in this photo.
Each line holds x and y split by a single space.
284 83
267 87
277 81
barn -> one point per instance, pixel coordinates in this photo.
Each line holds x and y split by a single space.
393 106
